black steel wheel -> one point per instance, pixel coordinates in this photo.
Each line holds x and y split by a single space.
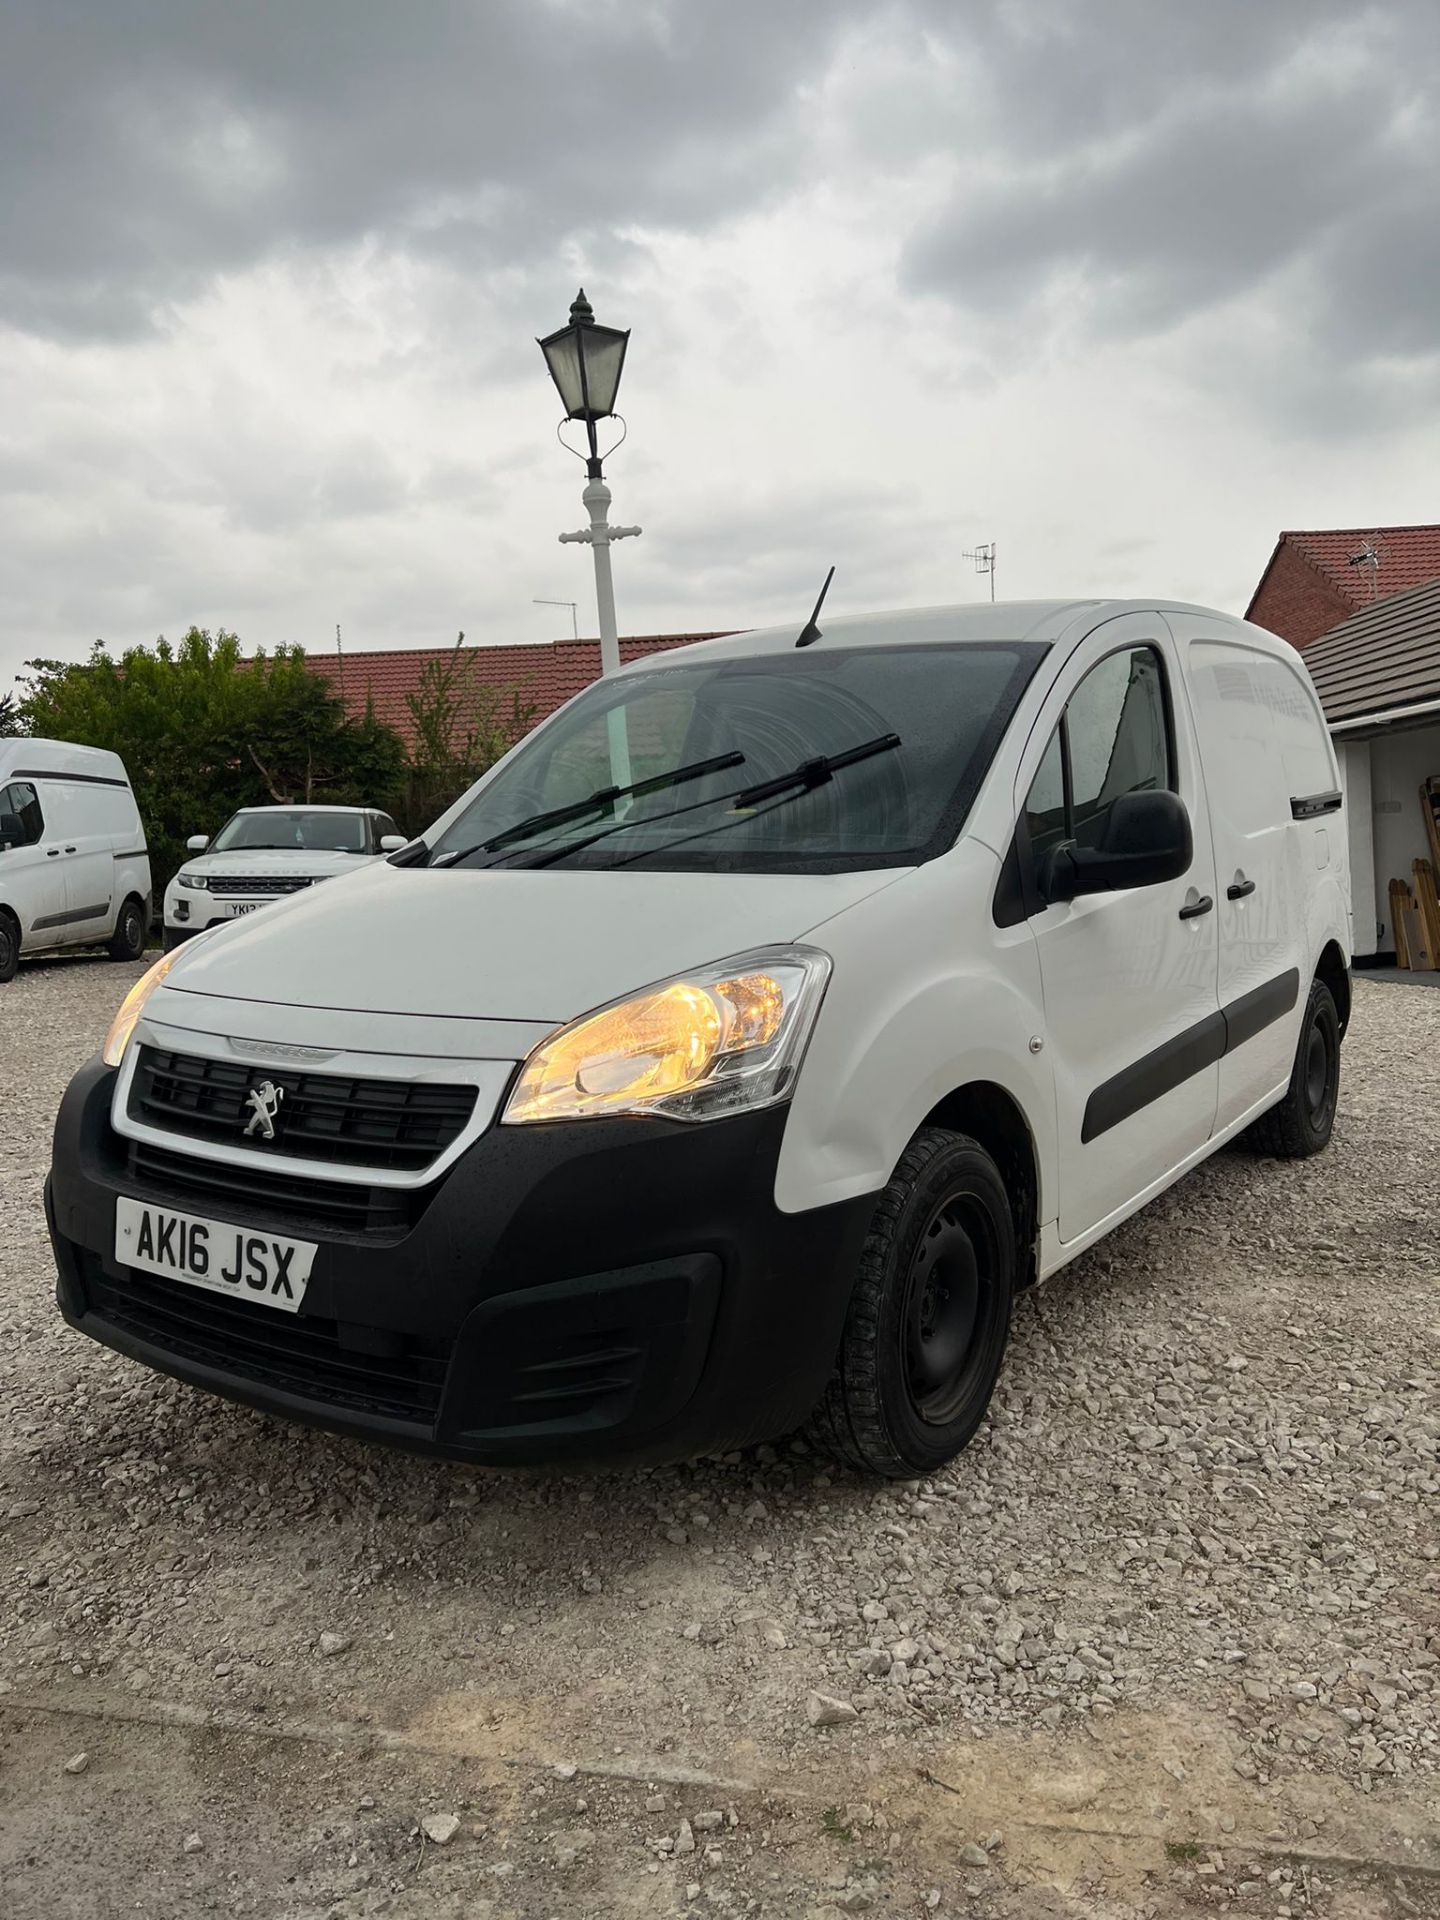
929 1316
1303 1121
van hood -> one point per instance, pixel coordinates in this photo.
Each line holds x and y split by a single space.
532 946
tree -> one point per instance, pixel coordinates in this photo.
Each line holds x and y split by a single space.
10 722
203 731
462 724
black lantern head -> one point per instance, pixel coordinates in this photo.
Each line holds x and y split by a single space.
585 362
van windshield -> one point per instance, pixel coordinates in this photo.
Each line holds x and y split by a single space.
290 828
760 718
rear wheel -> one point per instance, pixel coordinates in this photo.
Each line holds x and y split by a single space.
9 946
1302 1123
128 940
929 1316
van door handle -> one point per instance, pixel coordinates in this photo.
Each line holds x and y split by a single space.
1241 890
1196 907
52 853
69 849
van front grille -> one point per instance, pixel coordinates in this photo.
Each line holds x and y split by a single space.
398 1125
286 1201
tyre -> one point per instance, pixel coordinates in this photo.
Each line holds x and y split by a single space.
1302 1122
929 1316
9 946
128 940
173 937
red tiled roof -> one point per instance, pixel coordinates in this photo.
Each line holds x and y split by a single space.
544 676
1409 556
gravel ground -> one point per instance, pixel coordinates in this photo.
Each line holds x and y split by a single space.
1166 1639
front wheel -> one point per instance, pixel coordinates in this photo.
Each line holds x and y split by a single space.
930 1314
128 940
1302 1123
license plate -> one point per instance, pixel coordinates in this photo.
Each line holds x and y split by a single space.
235 907
212 1255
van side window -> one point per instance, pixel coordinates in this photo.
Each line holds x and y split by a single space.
1045 803
21 821
1117 734
1113 738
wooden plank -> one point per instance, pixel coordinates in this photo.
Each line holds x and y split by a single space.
1430 805
1429 904
1416 943
1400 909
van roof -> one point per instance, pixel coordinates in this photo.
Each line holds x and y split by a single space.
976 623
35 759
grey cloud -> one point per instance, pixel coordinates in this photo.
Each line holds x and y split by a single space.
1190 171
148 146
778 545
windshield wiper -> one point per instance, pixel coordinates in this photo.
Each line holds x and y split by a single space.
802 779
598 802
814 773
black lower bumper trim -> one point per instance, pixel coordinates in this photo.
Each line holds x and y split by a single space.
598 1290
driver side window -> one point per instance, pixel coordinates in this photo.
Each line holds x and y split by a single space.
1113 738
21 822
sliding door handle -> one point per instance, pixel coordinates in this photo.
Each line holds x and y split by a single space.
1196 907
1241 890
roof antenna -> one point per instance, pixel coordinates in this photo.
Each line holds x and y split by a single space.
810 633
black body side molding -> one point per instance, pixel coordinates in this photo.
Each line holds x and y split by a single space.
1166 1066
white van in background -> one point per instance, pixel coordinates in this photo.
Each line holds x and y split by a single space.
74 871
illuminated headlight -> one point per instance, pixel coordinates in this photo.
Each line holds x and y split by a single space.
196 880
718 1040
132 1006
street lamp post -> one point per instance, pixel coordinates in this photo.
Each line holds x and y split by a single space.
585 362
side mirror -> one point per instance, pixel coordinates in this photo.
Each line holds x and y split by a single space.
197 843
392 842
1146 840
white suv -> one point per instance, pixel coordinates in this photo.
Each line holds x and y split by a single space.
262 854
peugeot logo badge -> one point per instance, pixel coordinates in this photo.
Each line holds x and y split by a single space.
264 1103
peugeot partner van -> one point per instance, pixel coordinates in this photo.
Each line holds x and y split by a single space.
731 1053
74 870
264 853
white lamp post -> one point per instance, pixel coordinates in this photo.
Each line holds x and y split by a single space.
585 362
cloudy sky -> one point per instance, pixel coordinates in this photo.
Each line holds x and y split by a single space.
1124 286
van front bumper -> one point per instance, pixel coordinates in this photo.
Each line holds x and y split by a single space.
592 1290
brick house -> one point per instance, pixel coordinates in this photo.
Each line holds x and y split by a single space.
1313 581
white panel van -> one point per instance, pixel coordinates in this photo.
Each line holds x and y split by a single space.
74 870
737 1047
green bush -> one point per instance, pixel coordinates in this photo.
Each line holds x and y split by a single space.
203 731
